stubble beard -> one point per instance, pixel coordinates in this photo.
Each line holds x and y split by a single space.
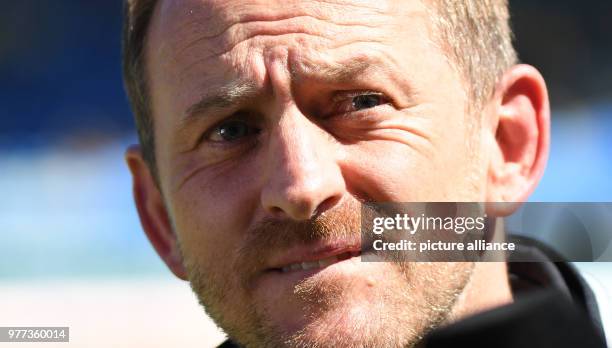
413 299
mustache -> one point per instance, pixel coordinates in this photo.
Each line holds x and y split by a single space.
272 236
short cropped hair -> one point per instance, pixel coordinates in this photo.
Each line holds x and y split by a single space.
475 35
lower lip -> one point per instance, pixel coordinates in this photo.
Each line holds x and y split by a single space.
292 278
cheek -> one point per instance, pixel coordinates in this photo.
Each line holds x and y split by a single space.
387 171
211 213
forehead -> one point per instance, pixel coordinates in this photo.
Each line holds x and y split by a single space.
220 39
218 19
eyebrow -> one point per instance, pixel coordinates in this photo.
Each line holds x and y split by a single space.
339 72
240 91
223 97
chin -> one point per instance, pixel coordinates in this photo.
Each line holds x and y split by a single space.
353 326
352 304
345 310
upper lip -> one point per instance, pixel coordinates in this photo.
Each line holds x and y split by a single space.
313 252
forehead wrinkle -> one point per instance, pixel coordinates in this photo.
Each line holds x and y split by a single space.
198 59
190 17
337 71
226 50
301 37
241 30
203 19
222 18
318 30
248 11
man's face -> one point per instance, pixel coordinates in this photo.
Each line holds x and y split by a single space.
273 120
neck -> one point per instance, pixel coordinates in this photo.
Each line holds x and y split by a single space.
489 286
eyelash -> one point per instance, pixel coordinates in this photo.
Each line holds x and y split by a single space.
348 97
211 131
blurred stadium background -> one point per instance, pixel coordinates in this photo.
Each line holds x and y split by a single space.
71 248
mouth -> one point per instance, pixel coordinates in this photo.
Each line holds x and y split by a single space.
312 256
323 259
317 264
283 278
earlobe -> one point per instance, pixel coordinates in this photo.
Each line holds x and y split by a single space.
153 212
521 133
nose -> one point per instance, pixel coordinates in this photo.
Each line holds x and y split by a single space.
302 177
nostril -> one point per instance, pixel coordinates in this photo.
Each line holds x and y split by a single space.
326 205
276 211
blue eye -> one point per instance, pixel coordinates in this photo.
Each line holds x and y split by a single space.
367 101
232 131
354 101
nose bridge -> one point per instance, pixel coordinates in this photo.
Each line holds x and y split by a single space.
295 149
303 178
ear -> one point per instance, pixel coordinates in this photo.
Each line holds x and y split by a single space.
520 136
153 213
